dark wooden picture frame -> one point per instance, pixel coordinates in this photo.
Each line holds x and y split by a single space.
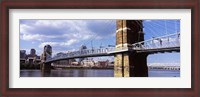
99 4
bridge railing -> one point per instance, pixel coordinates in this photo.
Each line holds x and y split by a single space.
168 41
87 52
82 53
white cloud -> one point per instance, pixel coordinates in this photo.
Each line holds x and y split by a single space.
39 37
147 20
63 44
70 42
61 34
42 30
24 29
32 37
50 43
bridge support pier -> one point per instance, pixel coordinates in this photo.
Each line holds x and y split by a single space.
130 65
45 67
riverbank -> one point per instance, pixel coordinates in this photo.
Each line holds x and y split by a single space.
87 68
37 67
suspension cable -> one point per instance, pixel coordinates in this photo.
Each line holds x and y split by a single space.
108 23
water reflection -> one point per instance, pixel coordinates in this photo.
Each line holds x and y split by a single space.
68 73
91 73
45 73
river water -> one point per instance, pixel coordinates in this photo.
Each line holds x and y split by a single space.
92 73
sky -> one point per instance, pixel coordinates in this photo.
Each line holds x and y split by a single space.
69 35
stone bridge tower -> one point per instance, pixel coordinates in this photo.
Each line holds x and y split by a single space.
129 64
47 53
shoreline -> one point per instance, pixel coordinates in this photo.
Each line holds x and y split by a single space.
66 68
87 68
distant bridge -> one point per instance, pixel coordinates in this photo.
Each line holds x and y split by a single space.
164 66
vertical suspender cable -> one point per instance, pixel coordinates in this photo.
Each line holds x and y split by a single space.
165 27
176 31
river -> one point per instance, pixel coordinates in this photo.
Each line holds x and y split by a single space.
92 73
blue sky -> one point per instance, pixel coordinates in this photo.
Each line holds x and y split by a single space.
65 35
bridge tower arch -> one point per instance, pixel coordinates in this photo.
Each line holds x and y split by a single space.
129 64
47 53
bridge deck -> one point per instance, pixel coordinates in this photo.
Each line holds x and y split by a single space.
169 43
160 50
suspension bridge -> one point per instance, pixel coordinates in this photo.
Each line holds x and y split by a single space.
130 51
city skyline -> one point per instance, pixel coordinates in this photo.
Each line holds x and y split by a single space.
64 35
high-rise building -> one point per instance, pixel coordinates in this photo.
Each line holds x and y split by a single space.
29 58
32 52
22 56
22 53
32 57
